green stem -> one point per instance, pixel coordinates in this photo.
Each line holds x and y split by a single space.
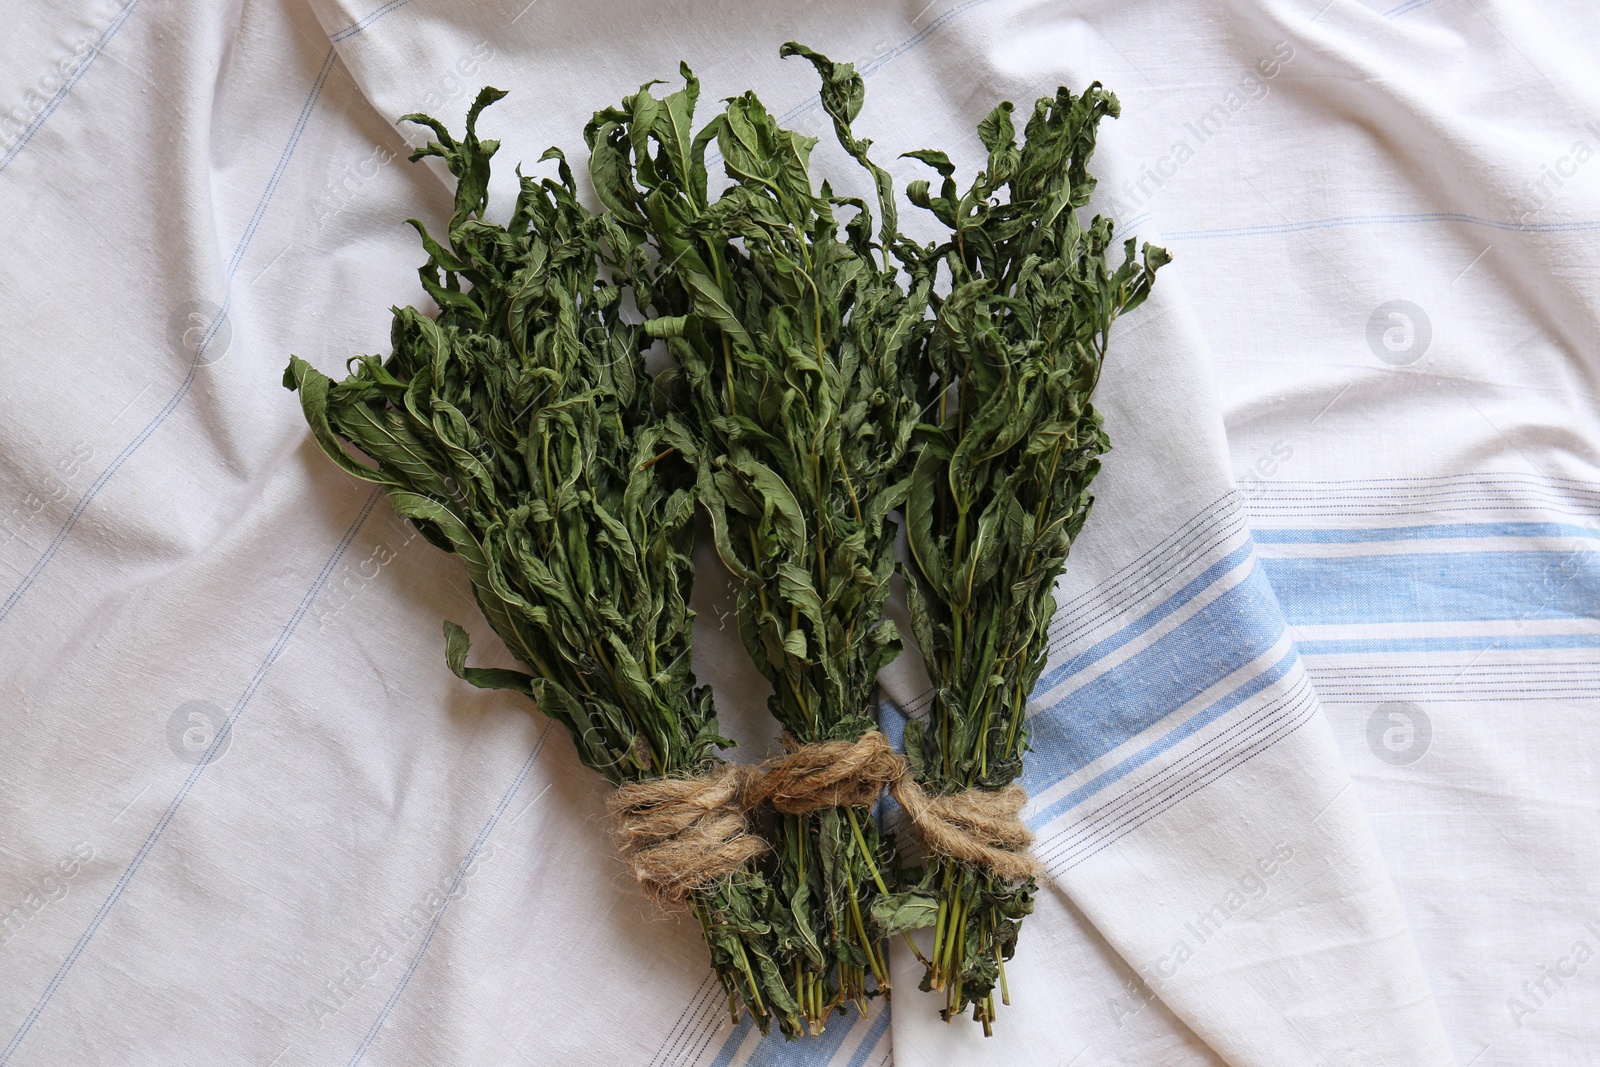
866 939
866 853
956 955
880 971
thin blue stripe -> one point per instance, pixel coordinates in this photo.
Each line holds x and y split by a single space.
1130 698
874 64
1203 718
877 63
194 366
66 86
1341 221
1138 220
735 1040
777 1051
1436 587
1463 643
1437 532
880 1026
277 172
1145 623
461 872
366 22
194 776
1461 481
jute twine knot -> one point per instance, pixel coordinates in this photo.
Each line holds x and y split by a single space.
978 826
682 834
826 774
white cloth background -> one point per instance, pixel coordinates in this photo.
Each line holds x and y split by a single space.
1316 751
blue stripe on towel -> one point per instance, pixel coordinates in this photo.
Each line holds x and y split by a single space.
1437 587
1207 715
1130 698
1424 533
